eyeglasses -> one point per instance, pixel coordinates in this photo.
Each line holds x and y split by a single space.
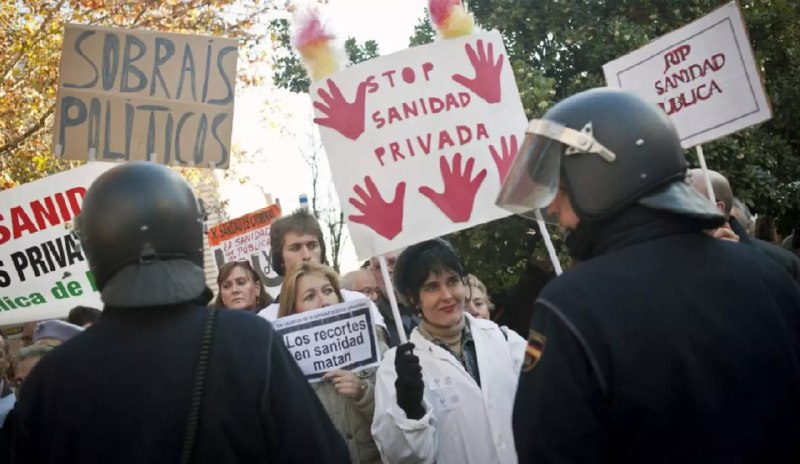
368 291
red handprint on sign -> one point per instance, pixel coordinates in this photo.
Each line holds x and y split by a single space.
342 116
385 218
457 199
503 161
486 83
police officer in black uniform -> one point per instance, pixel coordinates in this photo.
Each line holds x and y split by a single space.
160 377
663 344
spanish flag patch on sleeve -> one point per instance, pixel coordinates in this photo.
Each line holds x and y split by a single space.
533 352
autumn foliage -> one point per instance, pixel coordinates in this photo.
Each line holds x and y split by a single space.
31 33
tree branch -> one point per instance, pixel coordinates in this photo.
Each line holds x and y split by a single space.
36 127
33 41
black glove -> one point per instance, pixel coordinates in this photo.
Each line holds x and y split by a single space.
409 384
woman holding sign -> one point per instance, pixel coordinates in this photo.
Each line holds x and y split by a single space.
447 396
349 398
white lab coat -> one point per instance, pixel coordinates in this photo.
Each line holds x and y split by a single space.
270 313
463 423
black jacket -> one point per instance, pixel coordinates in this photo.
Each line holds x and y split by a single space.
120 393
667 346
407 318
784 258
514 307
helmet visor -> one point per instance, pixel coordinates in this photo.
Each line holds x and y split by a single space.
533 179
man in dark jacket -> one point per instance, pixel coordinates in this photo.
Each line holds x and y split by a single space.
663 344
161 378
724 196
409 319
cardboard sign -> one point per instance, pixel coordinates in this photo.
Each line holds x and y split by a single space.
246 238
341 336
419 141
43 273
703 75
128 95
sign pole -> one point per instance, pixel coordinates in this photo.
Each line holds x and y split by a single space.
702 160
548 243
401 332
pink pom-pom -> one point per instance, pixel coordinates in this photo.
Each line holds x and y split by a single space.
439 10
310 29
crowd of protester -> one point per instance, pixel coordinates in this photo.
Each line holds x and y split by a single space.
643 351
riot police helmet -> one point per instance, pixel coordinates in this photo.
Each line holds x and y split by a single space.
141 229
608 149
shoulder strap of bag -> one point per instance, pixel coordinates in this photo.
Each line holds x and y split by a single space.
198 389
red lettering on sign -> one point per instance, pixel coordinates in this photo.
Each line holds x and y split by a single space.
41 214
676 56
420 107
690 73
460 135
686 99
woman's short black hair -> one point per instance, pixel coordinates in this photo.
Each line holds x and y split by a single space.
417 261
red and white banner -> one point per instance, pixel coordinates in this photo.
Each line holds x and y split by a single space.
246 238
419 141
43 273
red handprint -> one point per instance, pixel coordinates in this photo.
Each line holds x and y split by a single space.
385 218
457 199
503 161
486 83
342 116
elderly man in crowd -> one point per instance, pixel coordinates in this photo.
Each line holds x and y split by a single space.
361 281
725 200
408 316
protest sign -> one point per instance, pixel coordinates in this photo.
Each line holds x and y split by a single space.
420 140
703 75
341 336
246 238
127 95
43 273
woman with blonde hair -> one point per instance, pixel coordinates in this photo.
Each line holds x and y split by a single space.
240 288
348 397
479 305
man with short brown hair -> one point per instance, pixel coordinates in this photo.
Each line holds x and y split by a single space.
296 239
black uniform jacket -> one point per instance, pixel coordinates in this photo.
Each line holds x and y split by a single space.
120 393
667 346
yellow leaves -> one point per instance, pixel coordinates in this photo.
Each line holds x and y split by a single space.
31 34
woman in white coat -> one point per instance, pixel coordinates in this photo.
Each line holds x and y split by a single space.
446 396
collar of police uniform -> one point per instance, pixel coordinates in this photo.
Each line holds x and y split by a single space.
632 226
